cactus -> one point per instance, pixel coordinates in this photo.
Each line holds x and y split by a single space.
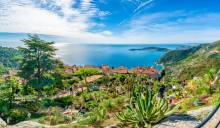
145 110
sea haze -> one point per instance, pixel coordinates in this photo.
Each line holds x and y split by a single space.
113 55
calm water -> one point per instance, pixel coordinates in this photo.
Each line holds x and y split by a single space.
114 55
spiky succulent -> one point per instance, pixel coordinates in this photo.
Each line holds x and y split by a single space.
145 110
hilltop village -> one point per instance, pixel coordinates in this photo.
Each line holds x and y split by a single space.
107 70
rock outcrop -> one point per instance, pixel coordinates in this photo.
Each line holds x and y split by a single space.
2 123
27 124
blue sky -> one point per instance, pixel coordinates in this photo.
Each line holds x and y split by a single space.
111 21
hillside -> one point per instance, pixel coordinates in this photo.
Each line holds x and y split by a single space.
193 62
9 56
177 55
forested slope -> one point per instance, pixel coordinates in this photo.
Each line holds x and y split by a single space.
9 57
192 62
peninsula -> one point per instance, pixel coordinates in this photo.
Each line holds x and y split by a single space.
158 49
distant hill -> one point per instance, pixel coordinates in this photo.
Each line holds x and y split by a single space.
9 57
177 55
195 61
151 49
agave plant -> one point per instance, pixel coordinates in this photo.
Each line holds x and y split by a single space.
145 110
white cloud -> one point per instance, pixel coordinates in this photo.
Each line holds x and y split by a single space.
142 5
27 17
60 18
174 27
107 33
139 6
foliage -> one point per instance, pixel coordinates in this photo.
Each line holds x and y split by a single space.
30 105
101 114
196 64
3 70
16 115
47 102
216 98
91 104
9 57
55 117
85 72
145 110
9 89
188 80
177 55
37 62
64 101
109 104
190 102
96 117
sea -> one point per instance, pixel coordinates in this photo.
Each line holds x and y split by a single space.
113 55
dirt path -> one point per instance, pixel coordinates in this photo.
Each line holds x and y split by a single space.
188 120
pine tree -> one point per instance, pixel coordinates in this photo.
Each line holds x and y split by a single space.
37 63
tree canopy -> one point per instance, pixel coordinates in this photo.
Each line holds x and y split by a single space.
37 62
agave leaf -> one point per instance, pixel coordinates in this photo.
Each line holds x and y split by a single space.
146 109
170 112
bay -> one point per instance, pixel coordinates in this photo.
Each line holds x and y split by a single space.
113 55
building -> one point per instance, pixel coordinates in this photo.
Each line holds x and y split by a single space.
149 71
121 70
106 70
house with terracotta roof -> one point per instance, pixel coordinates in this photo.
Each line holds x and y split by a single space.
121 69
91 66
106 70
149 71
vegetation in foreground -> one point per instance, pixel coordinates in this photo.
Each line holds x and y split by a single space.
35 86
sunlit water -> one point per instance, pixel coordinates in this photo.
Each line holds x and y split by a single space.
113 55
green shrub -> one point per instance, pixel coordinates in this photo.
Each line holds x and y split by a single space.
188 103
202 89
16 115
95 117
80 102
216 98
91 104
64 101
145 110
108 104
121 100
47 102
32 106
55 117
91 119
101 114
4 106
86 97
